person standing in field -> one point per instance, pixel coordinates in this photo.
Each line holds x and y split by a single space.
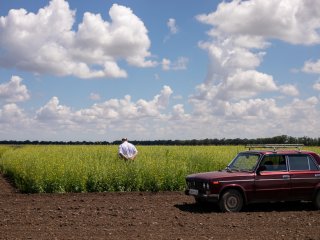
127 151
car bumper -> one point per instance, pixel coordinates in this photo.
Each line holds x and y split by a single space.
209 197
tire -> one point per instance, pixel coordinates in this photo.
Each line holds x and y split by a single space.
316 200
231 201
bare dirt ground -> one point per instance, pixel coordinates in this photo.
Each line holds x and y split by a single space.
164 215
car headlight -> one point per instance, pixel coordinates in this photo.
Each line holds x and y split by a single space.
206 186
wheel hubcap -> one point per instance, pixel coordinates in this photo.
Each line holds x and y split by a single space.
232 202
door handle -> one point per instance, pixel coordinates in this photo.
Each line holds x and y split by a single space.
285 176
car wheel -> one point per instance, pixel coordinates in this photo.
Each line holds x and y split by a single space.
231 201
316 200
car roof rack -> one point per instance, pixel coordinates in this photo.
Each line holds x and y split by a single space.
275 146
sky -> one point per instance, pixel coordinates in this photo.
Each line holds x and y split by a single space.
101 70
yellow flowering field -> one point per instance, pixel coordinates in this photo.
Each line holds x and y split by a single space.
97 168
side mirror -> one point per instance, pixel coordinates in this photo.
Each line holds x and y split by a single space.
260 169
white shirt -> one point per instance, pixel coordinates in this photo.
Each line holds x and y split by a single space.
127 149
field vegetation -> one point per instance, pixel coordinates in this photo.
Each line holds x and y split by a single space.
81 168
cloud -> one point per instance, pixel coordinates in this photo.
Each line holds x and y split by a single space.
172 26
229 102
13 91
160 101
257 117
246 84
236 99
293 21
53 111
125 37
289 90
120 110
154 119
226 57
252 109
45 42
11 113
14 121
95 96
179 64
311 67
238 41
178 113
99 114
166 64
316 86
241 85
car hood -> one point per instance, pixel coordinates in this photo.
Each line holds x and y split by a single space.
219 175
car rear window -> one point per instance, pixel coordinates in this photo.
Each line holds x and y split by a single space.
301 162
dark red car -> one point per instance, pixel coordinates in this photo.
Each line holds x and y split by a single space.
260 176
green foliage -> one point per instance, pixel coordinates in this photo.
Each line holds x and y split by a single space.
51 168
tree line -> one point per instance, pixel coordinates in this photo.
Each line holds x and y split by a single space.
283 139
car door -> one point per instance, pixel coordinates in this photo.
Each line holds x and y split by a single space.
305 175
273 183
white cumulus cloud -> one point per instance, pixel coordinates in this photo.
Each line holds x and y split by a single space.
45 42
312 67
316 86
53 111
103 115
14 90
240 35
11 113
293 21
289 90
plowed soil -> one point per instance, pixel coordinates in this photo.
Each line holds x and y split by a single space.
143 215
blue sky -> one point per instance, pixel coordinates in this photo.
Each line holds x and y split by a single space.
101 70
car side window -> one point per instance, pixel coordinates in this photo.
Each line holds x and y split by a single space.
301 162
274 163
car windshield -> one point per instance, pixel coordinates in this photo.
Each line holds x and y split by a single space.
244 162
